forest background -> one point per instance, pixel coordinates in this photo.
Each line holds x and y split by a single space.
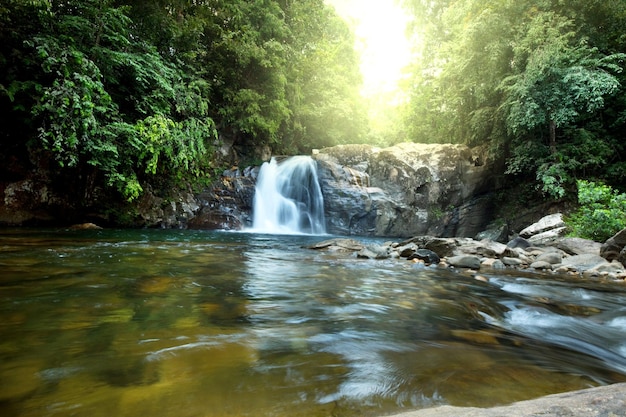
115 96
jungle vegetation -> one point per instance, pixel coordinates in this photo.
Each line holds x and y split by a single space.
123 92
118 94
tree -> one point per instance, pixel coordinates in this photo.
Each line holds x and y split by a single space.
105 105
539 82
323 79
556 80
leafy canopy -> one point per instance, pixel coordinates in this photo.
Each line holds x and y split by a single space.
537 82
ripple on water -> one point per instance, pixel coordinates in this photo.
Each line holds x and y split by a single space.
181 323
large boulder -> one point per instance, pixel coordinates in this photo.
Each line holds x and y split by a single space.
406 190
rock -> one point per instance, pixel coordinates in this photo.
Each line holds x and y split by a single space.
508 261
428 256
346 245
583 262
441 246
495 232
350 205
547 237
614 267
518 242
550 222
85 226
614 246
406 251
406 190
600 401
493 263
551 258
464 261
227 204
374 252
174 212
484 248
541 265
578 246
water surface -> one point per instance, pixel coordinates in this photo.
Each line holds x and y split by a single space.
184 323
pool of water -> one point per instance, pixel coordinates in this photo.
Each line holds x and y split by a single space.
195 323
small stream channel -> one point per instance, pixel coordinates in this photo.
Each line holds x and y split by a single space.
190 323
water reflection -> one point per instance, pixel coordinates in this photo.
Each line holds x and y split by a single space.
179 323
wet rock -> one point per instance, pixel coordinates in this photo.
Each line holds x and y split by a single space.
227 204
339 244
406 251
428 256
478 337
464 261
374 252
18 379
85 226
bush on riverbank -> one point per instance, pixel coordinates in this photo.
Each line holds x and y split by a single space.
602 212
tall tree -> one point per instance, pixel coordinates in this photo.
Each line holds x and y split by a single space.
509 74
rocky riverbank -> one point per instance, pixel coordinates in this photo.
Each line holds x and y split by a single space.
543 249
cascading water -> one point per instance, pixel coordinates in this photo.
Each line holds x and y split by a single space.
288 198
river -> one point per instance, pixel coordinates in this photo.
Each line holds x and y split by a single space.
203 324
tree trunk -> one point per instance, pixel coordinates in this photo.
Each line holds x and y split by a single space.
552 136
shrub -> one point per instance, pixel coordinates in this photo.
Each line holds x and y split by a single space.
601 214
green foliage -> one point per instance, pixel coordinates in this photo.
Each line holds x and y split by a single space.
124 93
539 82
558 79
73 106
602 212
105 99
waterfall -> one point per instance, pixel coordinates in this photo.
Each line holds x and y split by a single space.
288 198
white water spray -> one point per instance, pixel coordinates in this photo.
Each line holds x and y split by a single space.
288 198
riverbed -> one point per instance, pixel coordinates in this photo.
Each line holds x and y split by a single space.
198 323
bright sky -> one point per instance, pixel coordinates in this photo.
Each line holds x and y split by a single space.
380 32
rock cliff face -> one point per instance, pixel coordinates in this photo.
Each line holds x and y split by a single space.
406 190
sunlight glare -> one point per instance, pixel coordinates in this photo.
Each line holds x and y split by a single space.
380 28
